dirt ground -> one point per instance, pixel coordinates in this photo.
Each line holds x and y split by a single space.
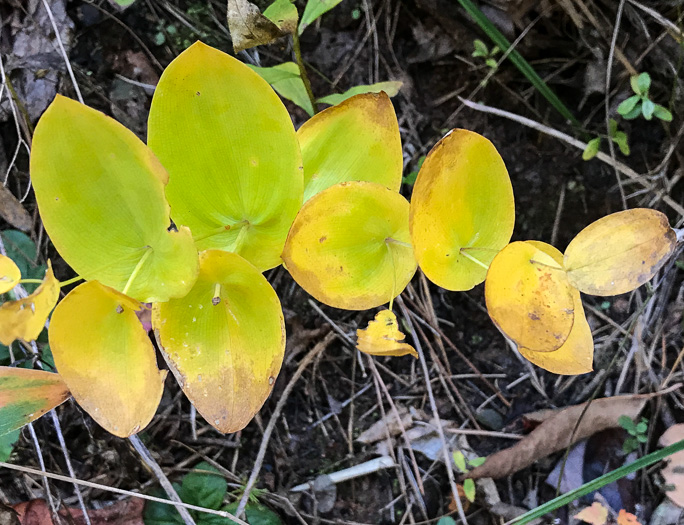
480 385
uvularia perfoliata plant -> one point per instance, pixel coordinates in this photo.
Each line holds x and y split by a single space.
226 189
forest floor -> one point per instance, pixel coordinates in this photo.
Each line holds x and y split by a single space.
483 389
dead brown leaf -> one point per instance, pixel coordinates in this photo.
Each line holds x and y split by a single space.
248 27
125 512
674 471
13 212
556 433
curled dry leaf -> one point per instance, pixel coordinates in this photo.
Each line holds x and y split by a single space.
627 518
597 514
674 471
619 252
529 298
9 274
25 318
248 27
556 433
12 210
382 337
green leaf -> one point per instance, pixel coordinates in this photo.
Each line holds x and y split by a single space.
626 423
641 83
313 10
630 445
7 443
490 62
390 87
235 170
620 138
647 108
204 486
662 113
285 80
628 105
124 3
283 13
592 149
22 250
460 461
635 113
476 462
161 513
642 427
256 514
469 490
642 438
446 520
480 48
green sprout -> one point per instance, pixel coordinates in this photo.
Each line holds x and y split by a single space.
614 134
640 103
464 465
481 50
637 432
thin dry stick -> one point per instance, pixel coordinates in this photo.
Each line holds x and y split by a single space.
42 471
433 405
573 142
159 473
90 484
322 345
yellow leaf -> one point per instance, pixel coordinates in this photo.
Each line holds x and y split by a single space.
225 340
626 518
462 210
619 252
106 357
235 169
100 192
355 140
25 318
25 395
9 274
576 354
529 298
597 514
350 247
382 337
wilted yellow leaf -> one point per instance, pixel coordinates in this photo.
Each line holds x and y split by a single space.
462 210
597 514
382 337
529 298
576 354
25 318
350 247
619 252
25 395
355 140
106 357
9 274
225 340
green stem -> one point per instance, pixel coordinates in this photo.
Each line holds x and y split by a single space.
136 270
302 70
473 259
30 281
597 483
400 243
240 239
70 281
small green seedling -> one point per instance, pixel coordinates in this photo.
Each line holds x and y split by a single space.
464 465
617 136
637 432
205 487
410 179
640 103
482 51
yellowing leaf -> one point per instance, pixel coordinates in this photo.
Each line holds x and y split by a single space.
529 298
106 358
9 274
232 155
619 252
25 318
356 140
382 337
462 210
225 340
349 246
597 514
25 395
248 27
626 518
283 13
100 192
576 354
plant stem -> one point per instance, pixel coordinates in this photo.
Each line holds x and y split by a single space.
30 281
240 239
136 270
302 70
473 259
400 243
597 483
70 281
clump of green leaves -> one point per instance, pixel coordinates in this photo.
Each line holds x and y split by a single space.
465 465
205 487
640 103
482 51
614 134
637 433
